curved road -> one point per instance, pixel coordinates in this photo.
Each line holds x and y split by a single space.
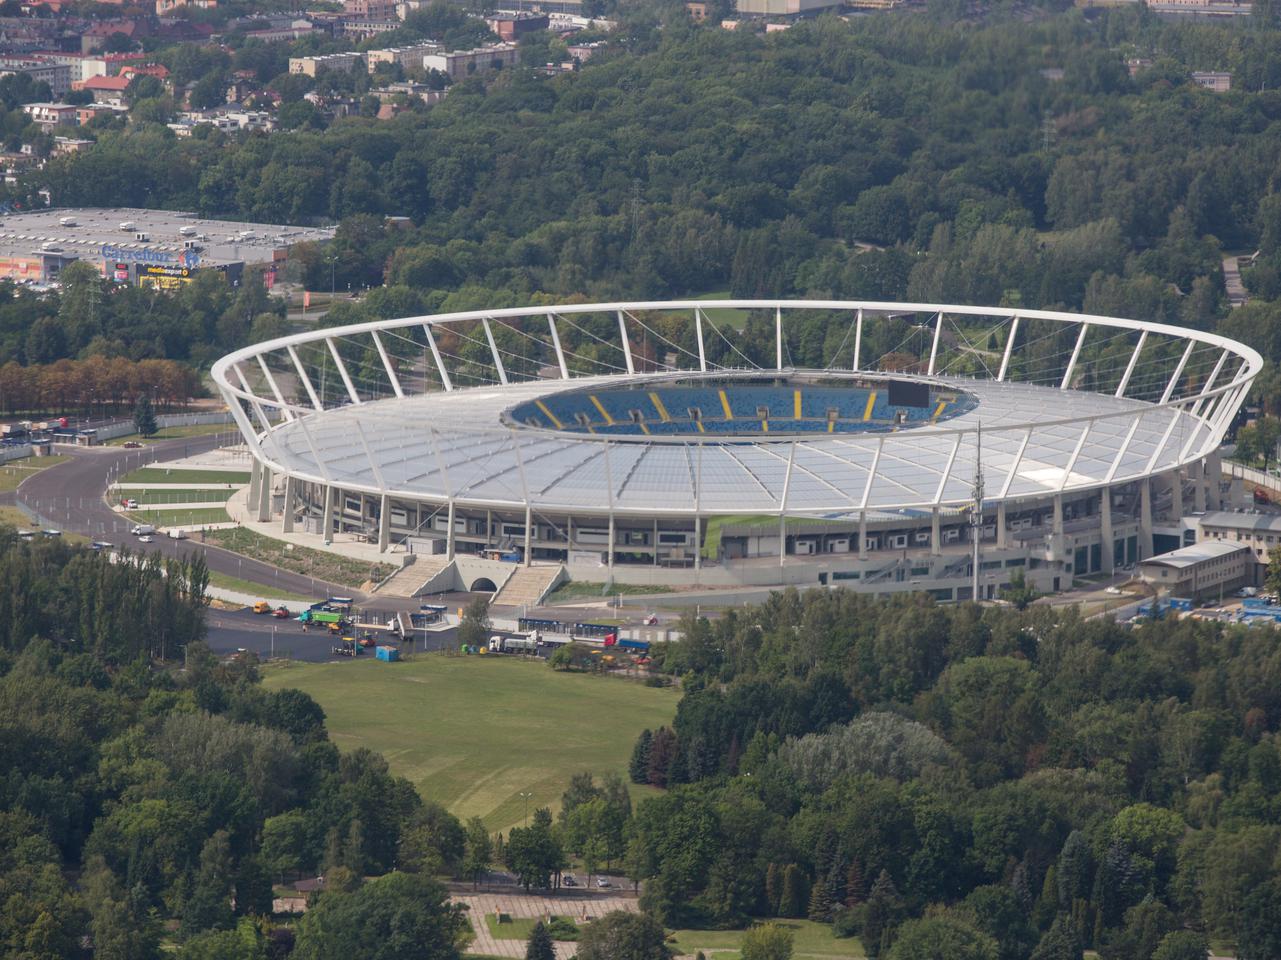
69 496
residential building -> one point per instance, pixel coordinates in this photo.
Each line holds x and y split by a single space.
784 8
458 64
57 75
105 89
166 6
361 27
314 66
370 9
697 11
51 114
404 57
1201 570
1213 80
513 26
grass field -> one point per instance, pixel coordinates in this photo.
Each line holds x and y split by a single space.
254 589
811 940
166 475
151 498
15 471
722 317
587 590
179 433
518 928
180 518
310 563
473 733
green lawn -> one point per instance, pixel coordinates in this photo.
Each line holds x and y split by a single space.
586 590
15 471
167 475
151 498
178 433
181 518
254 589
320 564
722 317
811 940
518 928
473 733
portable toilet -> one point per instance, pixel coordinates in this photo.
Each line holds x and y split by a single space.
389 654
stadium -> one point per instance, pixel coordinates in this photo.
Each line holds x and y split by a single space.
742 443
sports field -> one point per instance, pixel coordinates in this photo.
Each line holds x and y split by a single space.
474 733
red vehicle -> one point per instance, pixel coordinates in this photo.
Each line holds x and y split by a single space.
281 613
1261 495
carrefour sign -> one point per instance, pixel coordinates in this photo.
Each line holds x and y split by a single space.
187 258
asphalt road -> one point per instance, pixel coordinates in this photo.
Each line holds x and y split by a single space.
231 631
70 497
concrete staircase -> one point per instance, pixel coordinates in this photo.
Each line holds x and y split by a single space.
528 585
410 580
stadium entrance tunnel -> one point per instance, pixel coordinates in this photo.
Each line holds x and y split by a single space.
746 406
483 585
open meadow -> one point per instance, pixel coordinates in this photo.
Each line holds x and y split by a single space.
474 733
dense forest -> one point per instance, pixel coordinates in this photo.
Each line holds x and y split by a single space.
1013 161
1033 782
142 804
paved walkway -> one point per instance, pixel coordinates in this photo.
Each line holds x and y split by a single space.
578 908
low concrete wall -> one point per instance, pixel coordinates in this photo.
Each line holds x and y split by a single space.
468 570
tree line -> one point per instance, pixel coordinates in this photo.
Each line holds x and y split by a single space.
1015 784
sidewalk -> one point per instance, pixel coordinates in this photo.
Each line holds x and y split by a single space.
344 544
580 909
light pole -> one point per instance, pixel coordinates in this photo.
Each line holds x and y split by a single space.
524 795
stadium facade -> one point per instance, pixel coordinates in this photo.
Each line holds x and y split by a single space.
748 443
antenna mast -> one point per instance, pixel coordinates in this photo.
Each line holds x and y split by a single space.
976 512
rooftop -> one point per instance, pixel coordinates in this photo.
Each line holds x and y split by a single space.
1186 557
224 241
1242 521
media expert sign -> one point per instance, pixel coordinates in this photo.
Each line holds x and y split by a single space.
189 259
166 278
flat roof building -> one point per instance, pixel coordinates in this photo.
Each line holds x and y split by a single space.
463 63
313 66
157 247
1211 567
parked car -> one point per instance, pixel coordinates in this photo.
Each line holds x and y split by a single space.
145 538
131 444
568 880
281 613
602 883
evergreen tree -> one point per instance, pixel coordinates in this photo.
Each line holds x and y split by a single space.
855 885
1061 942
820 903
885 910
144 418
540 946
794 900
638 768
773 889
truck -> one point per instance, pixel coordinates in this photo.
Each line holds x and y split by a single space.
177 534
142 529
320 616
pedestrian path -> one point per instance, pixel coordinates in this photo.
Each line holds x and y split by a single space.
579 908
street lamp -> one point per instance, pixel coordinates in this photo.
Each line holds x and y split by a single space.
525 796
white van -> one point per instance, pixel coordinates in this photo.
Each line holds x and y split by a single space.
142 530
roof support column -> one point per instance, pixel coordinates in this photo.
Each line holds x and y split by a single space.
291 501
1197 471
778 338
862 534
858 338
1009 347
1057 545
935 533
934 348
1176 493
1134 361
493 349
1108 546
449 535
1076 352
529 533
610 554
384 523
1145 518
1214 475
560 354
698 329
387 365
327 515
1000 526
782 506
264 495
440 363
627 346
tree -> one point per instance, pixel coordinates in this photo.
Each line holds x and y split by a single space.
474 628
398 916
1259 937
795 897
479 850
540 946
1182 945
533 852
144 418
941 938
623 936
767 941
885 911
1061 942
638 766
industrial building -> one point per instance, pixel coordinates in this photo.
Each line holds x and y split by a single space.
147 247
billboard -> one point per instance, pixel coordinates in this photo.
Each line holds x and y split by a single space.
163 277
